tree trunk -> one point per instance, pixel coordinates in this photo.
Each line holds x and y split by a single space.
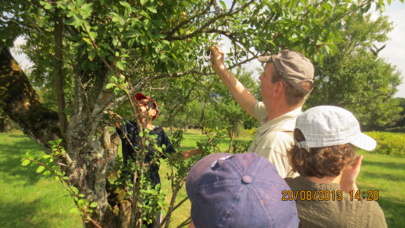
20 103
231 136
88 150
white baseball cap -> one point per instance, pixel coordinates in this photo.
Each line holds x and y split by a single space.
324 126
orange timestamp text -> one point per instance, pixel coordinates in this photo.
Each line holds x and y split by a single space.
328 195
370 195
307 195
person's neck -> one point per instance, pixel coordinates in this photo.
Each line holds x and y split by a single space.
325 180
277 109
146 124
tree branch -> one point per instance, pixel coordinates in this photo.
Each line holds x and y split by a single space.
207 23
59 78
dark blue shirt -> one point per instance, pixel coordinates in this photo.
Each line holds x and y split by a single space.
128 152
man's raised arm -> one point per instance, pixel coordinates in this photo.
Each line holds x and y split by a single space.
239 92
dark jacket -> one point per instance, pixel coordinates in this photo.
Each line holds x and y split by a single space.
128 152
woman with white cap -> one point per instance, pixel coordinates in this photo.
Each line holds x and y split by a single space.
324 155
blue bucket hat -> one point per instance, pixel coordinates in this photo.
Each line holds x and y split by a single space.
238 190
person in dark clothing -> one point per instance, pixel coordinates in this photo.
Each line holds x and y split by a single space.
132 143
157 143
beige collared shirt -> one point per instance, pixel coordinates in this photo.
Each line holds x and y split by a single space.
274 138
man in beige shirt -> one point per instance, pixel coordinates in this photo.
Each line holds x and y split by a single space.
286 82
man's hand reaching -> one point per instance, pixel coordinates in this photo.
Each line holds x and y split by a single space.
217 58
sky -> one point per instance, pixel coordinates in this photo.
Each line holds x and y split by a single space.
394 52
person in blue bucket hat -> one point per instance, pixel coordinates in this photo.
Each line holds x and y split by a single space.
238 190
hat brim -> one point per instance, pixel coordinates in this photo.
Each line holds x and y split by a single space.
265 58
140 96
364 142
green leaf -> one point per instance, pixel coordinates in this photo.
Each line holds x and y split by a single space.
59 173
110 85
74 210
223 4
116 18
81 202
87 40
92 55
40 169
117 90
93 204
25 162
165 42
127 6
132 33
120 65
74 190
151 9
48 6
143 2
93 35
86 10
145 14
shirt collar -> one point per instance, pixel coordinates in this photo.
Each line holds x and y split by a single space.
285 122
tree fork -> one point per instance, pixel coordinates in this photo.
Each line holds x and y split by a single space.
21 103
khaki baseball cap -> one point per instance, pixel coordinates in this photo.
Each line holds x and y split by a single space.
293 67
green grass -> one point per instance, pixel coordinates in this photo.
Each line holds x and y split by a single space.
30 200
386 174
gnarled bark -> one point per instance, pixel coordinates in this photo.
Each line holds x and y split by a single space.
87 156
21 103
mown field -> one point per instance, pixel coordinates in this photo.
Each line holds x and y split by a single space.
30 200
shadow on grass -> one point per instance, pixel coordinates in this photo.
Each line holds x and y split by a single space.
10 161
385 165
373 175
21 215
393 205
17 136
393 211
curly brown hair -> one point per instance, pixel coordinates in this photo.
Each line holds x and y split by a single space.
322 161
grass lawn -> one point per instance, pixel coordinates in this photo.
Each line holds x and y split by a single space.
30 200
386 174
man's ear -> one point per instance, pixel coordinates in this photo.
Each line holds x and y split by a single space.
279 88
